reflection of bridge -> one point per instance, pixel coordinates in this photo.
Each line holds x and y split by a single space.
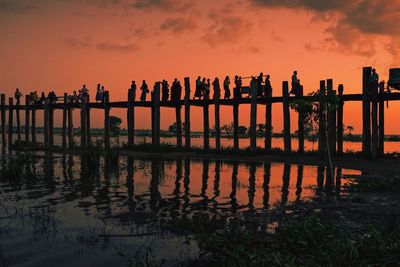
373 118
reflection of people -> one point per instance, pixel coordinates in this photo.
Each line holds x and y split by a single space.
18 96
227 92
145 90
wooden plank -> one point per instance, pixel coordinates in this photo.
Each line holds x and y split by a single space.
156 103
340 122
300 127
131 118
106 120
331 118
381 144
286 118
71 142
83 122
187 113
33 127
268 125
27 117
51 126
178 126
217 97
18 122
46 123
64 122
88 127
10 121
253 120
206 126
321 123
374 122
3 120
366 111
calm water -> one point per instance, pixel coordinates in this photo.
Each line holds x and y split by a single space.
390 147
60 210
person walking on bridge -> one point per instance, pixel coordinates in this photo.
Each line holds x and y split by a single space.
227 91
145 90
17 96
295 83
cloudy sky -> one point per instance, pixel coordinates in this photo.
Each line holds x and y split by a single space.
62 44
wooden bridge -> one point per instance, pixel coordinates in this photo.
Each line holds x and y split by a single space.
373 118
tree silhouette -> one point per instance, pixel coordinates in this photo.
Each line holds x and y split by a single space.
350 129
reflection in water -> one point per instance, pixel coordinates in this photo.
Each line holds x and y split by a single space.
88 194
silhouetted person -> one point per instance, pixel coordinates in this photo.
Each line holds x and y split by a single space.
227 91
17 96
216 88
207 86
85 91
103 94
197 92
374 80
294 83
99 96
42 98
237 89
253 86
165 90
174 92
75 97
133 88
145 90
259 85
178 90
268 86
203 87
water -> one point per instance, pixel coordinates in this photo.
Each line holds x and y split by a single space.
390 147
66 210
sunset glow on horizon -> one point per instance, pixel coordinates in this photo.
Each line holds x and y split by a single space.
60 45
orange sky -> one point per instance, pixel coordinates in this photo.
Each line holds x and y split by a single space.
60 45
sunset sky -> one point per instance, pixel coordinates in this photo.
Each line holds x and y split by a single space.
61 44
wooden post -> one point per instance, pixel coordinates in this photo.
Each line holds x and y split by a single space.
253 120
286 117
106 120
374 121
187 113
51 126
10 121
236 121
366 107
156 120
206 124
178 124
46 123
33 128
88 133
268 123
27 117
18 122
381 120
3 120
321 123
217 120
300 129
340 122
331 118
83 122
70 127
64 122
131 118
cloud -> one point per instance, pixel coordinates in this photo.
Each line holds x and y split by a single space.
76 43
178 25
15 7
170 5
120 48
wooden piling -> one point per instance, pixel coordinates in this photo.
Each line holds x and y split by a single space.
236 122
374 121
366 110
51 126
83 122
286 118
217 120
10 121
46 123
33 127
381 142
107 120
300 128
64 122
178 125
268 124
156 120
131 118
3 120
322 120
253 120
187 113
340 122
331 118
71 142
18 117
27 117
206 124
88 133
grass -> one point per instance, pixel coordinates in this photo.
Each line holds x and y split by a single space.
363 184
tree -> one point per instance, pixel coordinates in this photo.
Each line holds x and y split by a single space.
350 129
115 126
228 128
173 127
242 130
261 128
